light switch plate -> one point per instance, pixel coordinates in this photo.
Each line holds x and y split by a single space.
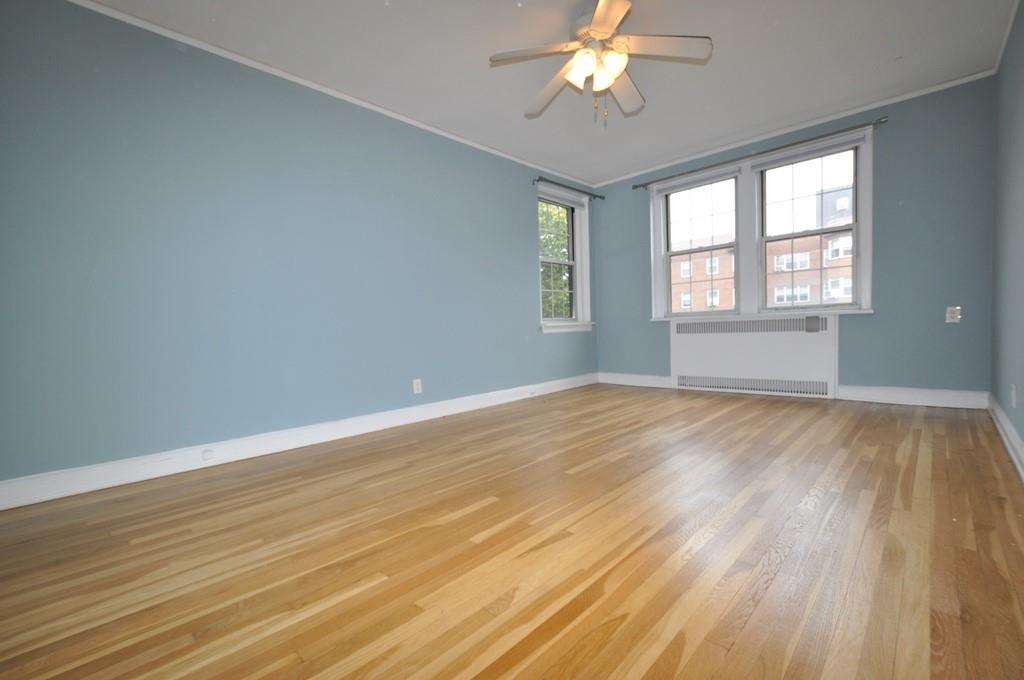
954 314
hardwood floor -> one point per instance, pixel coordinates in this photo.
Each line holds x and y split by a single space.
601 532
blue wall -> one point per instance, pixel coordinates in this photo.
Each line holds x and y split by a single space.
1008 355
192 251
933 216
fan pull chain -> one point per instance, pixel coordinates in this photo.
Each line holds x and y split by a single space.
606 112
595 110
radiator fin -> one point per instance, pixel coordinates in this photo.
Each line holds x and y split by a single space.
799 388
800 324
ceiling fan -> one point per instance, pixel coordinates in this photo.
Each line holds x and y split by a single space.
602 55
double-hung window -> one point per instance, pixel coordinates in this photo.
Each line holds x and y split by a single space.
788 229
564 259
808 216
700 239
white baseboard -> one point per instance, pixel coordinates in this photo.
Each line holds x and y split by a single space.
68 482
1011 438
913 396
635 379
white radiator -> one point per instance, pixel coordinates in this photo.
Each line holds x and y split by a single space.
785 355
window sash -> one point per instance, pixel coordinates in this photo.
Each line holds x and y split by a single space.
570 227
853 227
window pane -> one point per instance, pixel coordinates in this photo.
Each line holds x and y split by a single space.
807 288
809 270
809 195
837 170
779 288
703 281
807 178
779 218
556 291
836 208
702 216
555 231
778 184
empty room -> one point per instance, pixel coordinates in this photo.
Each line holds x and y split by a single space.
512 339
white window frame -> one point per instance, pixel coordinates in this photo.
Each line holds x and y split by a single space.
685 300
685 269
660 283
749 272
716 294
712 266
580 203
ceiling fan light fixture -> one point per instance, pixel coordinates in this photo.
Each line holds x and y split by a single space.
584 63
603 79
576 78
585 60
614 62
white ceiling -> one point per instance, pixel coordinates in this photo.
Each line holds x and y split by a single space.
777 64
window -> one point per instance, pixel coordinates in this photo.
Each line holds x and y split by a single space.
700 235
788 228
807 204
557 267
564 259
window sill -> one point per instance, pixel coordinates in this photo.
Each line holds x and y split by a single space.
796 311
568 327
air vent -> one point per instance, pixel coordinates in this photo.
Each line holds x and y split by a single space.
801 324
797 388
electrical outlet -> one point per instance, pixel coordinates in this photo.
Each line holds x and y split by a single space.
954 314
1013 395
417 386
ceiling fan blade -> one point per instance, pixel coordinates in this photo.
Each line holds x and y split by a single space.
627 95
607 17
687 47
532 52
550 91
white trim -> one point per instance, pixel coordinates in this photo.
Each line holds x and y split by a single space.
566 327
914 396
59 483
266 68
778 132
1011 438
635 379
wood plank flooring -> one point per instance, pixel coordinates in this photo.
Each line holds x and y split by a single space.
603 532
